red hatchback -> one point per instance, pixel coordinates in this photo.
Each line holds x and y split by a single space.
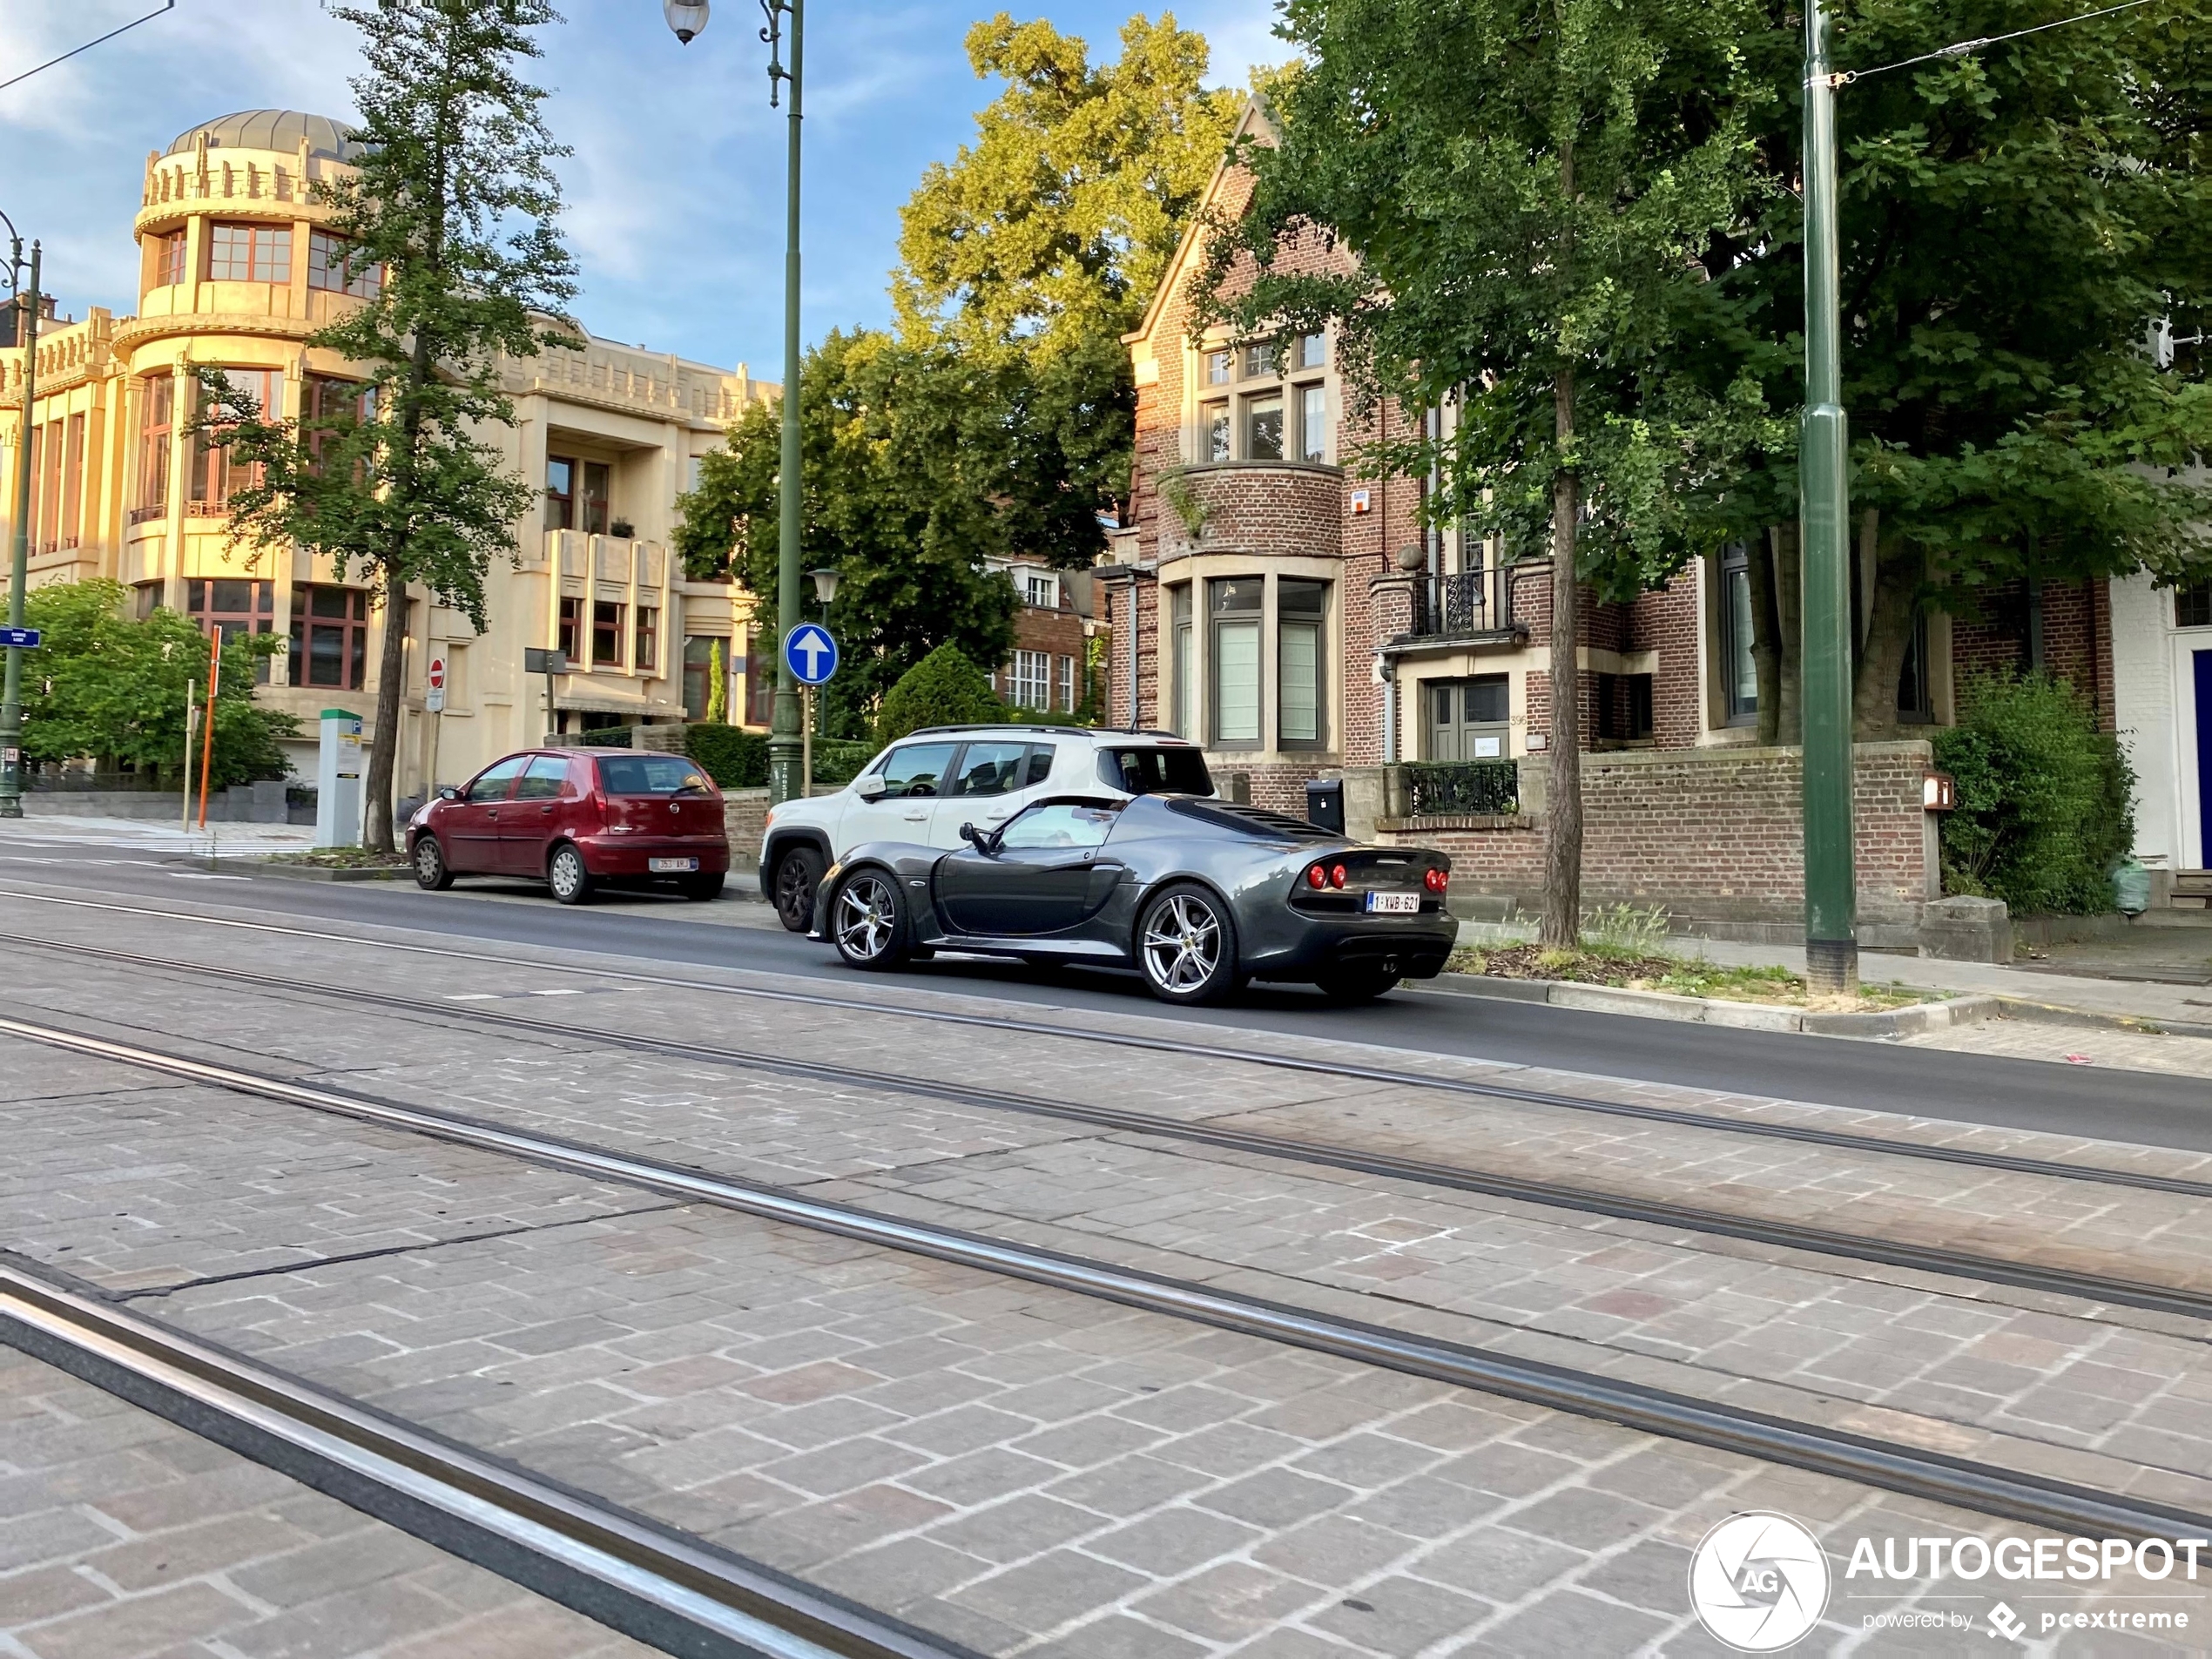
577 819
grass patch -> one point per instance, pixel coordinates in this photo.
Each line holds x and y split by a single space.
342 857
1625 967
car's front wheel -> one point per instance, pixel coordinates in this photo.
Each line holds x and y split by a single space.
1356 986
799 873
571 881
1186 945
432 874
866 921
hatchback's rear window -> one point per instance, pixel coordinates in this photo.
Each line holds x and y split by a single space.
1149 771
649 774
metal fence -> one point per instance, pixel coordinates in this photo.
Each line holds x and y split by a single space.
1475 788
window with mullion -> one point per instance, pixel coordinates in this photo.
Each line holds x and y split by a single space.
249 254
330 638
214 474
1740 677
231 607
1234 605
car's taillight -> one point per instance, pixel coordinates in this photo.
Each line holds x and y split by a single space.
1317 877
1436 881
1336 876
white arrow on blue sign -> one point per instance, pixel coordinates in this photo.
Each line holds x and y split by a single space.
810 653
26 638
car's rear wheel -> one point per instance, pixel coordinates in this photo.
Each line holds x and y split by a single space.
1186 946
799 873
866 920
565 874
432 874
700 889
1356 986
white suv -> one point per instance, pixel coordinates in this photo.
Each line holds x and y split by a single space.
925 785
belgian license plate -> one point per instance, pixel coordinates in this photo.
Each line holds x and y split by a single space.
669 866
1395 904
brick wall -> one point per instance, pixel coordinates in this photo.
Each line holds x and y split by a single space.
1989 634
1711 834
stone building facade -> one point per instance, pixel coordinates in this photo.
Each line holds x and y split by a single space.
237 269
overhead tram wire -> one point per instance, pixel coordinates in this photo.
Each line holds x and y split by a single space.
2015 1495
1960 48
2085 1286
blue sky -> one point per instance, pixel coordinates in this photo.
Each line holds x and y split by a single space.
675 192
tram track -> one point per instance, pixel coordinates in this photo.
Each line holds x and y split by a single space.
1841 1140
2015 1495
2097 1288
651 1582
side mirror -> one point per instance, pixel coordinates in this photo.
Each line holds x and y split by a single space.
982 840
448 792
870 787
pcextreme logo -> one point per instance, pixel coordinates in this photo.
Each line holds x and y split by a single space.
1759 1582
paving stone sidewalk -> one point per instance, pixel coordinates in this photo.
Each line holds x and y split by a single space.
122 1536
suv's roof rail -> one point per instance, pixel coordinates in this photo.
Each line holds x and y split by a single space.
1006 725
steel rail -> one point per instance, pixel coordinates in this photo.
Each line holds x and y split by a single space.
2018 1495
1950 1263
647 1581
1801 1133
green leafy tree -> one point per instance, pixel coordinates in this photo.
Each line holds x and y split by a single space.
718 684
944 689
1039 244
112 688
1525 186
2012 223
452 200
903 497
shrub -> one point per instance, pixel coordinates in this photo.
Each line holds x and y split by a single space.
838 760
2046 799
613 737
734 758
943 689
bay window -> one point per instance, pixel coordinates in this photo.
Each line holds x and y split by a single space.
215 474
1300 610
1234 605
1181 667
156 406
327 270
1263 426
249 254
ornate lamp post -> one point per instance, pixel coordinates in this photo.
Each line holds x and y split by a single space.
786 763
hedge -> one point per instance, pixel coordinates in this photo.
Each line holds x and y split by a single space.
734 757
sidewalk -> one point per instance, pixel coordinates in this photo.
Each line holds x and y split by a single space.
19 837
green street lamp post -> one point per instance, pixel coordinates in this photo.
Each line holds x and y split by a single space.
1823 450
19 564
786 761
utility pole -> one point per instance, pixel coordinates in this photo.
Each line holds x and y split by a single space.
786 731
1824 459
11 699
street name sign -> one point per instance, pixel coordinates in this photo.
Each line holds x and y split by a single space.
22 638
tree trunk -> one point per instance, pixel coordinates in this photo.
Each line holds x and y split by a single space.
376 822
1790 610
1562 926
1766 642
1889 630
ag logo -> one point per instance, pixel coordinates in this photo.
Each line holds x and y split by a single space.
1759 1582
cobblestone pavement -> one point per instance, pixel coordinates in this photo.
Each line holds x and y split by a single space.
122 1536
1028 1470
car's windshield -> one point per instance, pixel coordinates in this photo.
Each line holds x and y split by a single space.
1152 770
649 775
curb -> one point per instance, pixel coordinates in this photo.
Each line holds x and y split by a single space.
320 872
1741 1016
2052 1014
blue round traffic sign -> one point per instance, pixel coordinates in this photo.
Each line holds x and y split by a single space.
810 653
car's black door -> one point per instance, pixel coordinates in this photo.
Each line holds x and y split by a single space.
1046 873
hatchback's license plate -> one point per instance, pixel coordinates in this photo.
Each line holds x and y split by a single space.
669 866
1395 904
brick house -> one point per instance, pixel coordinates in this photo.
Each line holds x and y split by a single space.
1053 625
1298 621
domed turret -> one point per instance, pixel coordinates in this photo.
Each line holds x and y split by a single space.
277 130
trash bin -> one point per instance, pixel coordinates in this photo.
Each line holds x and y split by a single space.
1325 803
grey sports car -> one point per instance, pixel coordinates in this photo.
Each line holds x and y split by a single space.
1199 895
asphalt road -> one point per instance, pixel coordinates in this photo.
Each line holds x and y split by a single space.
2150 1108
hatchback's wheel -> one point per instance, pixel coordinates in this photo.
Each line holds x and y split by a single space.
571 882
430 871
799 873
1187 946
1356 985
702 887
865 921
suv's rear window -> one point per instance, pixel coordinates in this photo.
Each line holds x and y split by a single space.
649 774
1149 771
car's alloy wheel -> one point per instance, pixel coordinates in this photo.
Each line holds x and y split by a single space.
1188 947
430 871
865 920
571 881
798 875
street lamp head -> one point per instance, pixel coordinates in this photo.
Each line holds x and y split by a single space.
686 18
825 584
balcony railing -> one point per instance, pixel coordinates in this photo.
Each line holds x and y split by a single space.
1470 789
1475 602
